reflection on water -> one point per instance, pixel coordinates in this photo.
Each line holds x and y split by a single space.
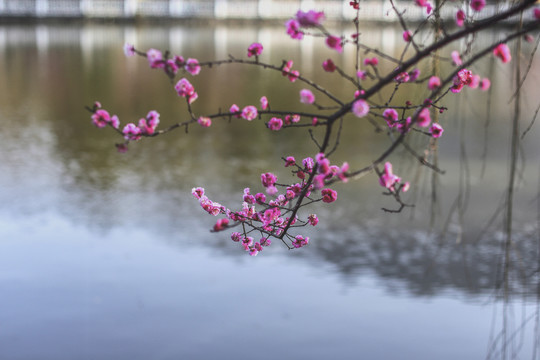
105 255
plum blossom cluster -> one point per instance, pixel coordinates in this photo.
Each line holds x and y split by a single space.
279 209
270 213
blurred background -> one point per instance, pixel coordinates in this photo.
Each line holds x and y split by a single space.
108 256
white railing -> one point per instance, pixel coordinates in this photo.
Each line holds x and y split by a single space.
378 10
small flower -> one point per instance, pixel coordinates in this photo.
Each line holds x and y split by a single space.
328 195
414 74
184 88
236 236
424 119
204 121
300 241
155 58
293 29
275 124
391 116
478 5
290 161
536 13
362 75
310 18
234 109
313 219
460 17
131 132
293 75
129 50
268 179
434 83
308 164
456 58
329 66
264 103
221 224
485 84
255 49
306 96
198 192
360 108
436 130
407 35
371 61
249 112
388 179
101 118
192 66
402 77
502 52
334 42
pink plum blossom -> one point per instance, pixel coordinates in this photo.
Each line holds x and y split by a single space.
192 66
334 42
184 88
460 17
155 58
249 112
456 58
268 179
414 74
313 219
300 241
328 195
404 127
362 75
407 35
255 49
478 5
434 82
402 77
360 108
306 96
426 4
129 49
463 77
101 118
131 132
179 60
436 130
221 224
290 161
371 61
308 164
502 52
275 124
198 192
424 119
204 121
391 116
329 66
536 13
236 236
475 81
264 103
388 179
293 29
235 109
485 84
309 18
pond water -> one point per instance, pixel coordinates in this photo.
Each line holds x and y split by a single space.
108 256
